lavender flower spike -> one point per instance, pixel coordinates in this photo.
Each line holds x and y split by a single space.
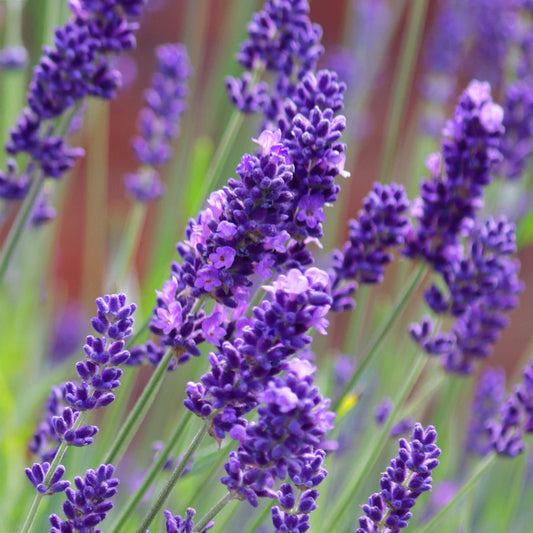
407 477
159 120
37 473
87 506
77 66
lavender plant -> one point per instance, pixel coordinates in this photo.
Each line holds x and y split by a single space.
270 369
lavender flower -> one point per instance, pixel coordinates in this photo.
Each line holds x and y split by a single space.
488 397
383 410
408 475
382 225
37 473
515 418
260 350
87 506
76 67
482 286
281 39
100 375
13 58
159 120
454 193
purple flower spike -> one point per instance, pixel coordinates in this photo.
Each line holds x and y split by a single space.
87 506
177 524
488 397
515 418
37 473
78 65
383 224
408 475
159 121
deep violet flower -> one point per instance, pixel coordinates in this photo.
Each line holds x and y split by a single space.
382 225
282 40
37 473
515 418
261 349
454 193
159 120
87 506
482 285
75 67
383 410
177 524
407 477
488 397
99 374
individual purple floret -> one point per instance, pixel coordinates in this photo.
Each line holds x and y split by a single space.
159 120
77 66
454 193
488 397
515 418
482 286
43 211
87 506
383 224
37 473
403 427
407 477
13 58
282 40
383 410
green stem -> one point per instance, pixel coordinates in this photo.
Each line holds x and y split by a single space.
403 78
376 447
474 478
379 337
213 512
139 409
128 244
150 477
220 157
53 467
176 474
16 230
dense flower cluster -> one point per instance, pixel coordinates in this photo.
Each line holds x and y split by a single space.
454 192
382 224
87 506
243 367
159 120
482 285
282 40
99 375
75 67
515 418
239 234
283 442
488 397
407 477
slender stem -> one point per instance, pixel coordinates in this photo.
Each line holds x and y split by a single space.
375 448
136 415
380 336
176 474
213 512
128 244
403 79
474 478
16 230
150 477
220 157
53 467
